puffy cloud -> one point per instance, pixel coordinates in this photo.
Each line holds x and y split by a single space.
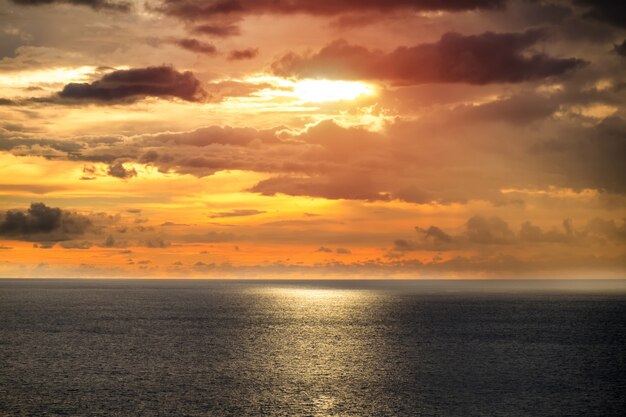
117 170
531 233
42 223
137 83
121 6
455 58
489 230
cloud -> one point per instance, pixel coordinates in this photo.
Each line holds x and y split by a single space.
338 251
216 30
621 48
94 4
592 158
236 213
455 58
76 244
532 233
489 230
209 9
137 83
220 18
117 170
608 11
196 46
324 249
156 242
351 187
417 161
42 223
241 54
607 229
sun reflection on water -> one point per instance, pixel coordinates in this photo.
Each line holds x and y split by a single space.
325 345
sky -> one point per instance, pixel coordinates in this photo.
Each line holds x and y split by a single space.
312 138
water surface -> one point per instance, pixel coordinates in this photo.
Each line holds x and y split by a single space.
324 348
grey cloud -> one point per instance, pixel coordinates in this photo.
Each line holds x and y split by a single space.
42 223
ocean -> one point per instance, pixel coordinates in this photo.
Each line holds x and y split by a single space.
312 348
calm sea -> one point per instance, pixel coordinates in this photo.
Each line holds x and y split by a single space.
331 348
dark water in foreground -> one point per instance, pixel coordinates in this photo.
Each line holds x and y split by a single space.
202 348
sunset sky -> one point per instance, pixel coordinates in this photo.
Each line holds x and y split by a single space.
312 138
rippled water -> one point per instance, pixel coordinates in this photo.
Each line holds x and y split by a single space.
215 348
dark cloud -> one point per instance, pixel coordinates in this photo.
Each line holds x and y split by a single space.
431 238
236 213
209 9
241 54
434 235
119 171
609 11
42 223
221 17
621 48
590 158
218 31
196 46
120 6
137 83
455 58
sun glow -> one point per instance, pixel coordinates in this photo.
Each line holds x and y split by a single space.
326 90
310 90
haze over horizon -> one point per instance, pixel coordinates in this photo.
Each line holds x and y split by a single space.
312 139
